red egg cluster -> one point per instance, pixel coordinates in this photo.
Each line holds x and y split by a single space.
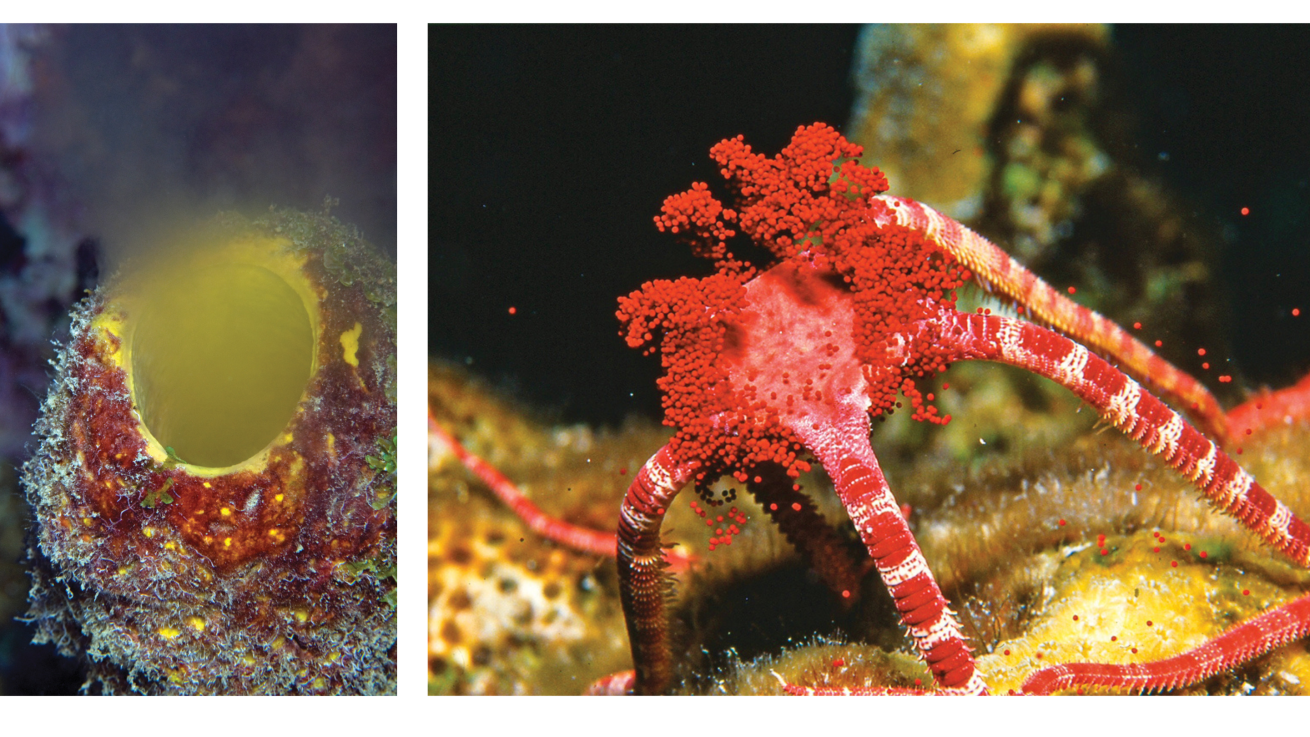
811 206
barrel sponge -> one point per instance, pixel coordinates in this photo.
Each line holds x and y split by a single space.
214 483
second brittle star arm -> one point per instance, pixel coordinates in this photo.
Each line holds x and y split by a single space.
1238 644
572 536
878 520
999 272
1140 416
643 585
1160 430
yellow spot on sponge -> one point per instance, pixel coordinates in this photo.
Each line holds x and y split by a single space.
169 633
350 344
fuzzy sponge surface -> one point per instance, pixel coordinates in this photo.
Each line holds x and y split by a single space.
214 485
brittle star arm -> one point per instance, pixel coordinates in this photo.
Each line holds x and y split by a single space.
1162 431
1139 415
643 586
572 536
843 449
1238 644
864 492
1000 273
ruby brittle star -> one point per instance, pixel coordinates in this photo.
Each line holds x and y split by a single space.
768 367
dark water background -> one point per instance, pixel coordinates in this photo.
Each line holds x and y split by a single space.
552 148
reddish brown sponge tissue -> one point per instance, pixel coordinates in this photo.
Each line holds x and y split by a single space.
231 518
273 576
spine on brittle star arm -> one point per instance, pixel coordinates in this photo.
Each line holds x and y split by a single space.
922 607
643 585
1001 273
1237 645
1140 416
